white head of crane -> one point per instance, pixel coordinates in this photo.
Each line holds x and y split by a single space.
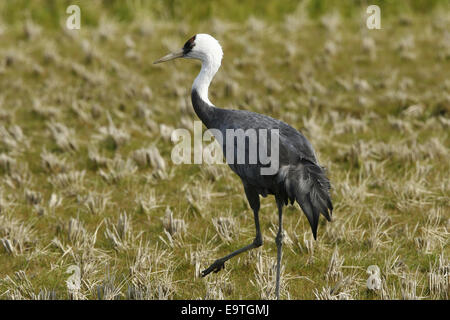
205 48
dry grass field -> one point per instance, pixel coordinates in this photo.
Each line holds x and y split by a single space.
86 176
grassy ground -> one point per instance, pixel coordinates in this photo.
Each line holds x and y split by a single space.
86 176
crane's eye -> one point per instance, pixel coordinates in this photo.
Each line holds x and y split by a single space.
189 45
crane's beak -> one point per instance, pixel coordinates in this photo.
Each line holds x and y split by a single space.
170 56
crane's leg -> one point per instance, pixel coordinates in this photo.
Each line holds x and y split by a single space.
279 242
253 200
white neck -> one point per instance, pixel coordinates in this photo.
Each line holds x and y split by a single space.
204 78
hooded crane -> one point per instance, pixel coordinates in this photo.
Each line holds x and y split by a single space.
299 176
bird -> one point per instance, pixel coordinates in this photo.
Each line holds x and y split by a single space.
299 177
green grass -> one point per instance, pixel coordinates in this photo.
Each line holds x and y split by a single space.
49 13
386 158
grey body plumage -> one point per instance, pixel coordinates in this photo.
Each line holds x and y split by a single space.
300 177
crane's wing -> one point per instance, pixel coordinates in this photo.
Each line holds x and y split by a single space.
299 177
293 143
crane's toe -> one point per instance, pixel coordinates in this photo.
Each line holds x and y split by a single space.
215 267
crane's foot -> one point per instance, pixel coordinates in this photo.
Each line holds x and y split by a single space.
215 267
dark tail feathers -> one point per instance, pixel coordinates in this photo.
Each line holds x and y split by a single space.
307 184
